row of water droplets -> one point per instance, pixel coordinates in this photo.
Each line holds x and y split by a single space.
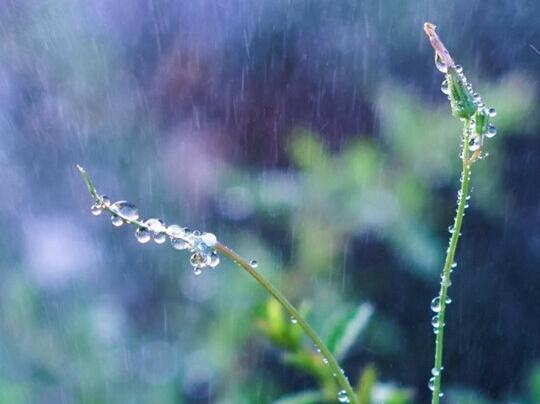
342 395
476 139
201 245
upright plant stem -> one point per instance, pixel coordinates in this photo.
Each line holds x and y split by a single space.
333 365
447 270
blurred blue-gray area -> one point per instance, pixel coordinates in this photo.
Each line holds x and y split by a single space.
309 135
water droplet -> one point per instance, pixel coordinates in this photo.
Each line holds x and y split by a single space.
435 372
325 361
96 210
126 209
105 200
459 68
117 221
175 231
454 265
492 112
476 97
159 238
143 235
450 229
196 260
436 305
179 244
444 87
254 263
343 397
448 300
197 271
446 282
209 239
491 131
177 235
431 383
474 144
441 394
435 321
294 320
155 225
439 63
214 260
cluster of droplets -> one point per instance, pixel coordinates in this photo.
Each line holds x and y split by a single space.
200 245
431 384
477 131
436 308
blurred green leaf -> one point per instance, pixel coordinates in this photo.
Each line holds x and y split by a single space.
278 328
368 378
307 151
346 332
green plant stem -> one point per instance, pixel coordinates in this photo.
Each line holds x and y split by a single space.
341 379
450 255
333 365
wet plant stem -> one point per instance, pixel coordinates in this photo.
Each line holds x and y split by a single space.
449 261
336 370
332 363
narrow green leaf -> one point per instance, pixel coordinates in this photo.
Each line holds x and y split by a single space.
368 378
345 334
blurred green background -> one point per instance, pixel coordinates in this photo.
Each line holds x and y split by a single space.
309 135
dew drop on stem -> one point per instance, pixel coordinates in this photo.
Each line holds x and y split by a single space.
343 397
142 235
126 209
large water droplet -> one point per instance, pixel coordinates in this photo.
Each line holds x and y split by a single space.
431 383
96 210
105 200
209 239
159 238
474 144
117 221
155 225
175 231
177 235
179 244
492 112
444 87
439 63
491 131
214 260
143 235
254 263
126 209
435 372
196 260
343 397
436 305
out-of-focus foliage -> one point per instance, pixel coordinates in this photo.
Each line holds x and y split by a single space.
311 136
